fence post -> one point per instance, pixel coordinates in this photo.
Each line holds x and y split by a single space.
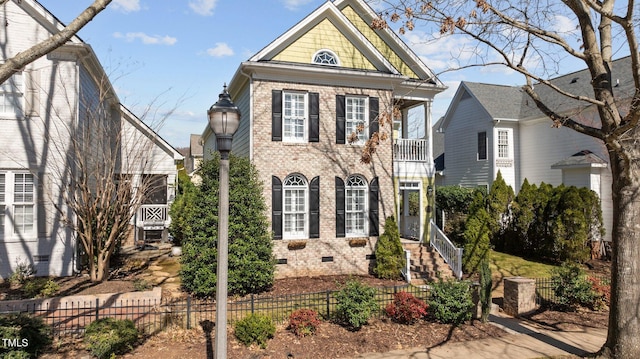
252 303
328 303
189 312
97 308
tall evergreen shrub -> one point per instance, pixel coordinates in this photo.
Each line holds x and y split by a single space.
251 264
389 252
477 235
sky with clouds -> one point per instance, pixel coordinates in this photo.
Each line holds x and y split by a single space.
168 55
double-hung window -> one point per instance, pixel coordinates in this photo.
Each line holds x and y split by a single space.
503 144
295 116
356 117
295 207
11 96
356 193
17 205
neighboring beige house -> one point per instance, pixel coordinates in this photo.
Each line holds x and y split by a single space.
301 98
39 105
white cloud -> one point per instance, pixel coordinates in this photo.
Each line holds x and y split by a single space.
563 24
146 39
203 7
126 5
220 50
294 4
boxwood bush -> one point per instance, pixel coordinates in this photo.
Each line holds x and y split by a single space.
30 334
356 304
107 336
450 301
255 328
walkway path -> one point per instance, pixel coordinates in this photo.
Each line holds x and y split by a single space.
525 340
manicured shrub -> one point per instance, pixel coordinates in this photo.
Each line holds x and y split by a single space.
40 287
251 265
450 301
405 308
389 252
571 287
255 328
30 334
303 322
355 304
107 336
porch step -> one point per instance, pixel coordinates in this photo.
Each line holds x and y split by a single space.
426 264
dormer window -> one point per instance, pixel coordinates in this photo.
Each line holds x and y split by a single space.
325 57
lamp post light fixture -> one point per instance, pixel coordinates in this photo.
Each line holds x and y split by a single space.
224 119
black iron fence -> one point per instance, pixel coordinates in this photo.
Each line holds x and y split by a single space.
152 316
545 293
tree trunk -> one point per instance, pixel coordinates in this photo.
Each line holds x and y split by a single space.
100 269
623 337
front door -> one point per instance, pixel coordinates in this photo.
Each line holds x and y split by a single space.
410 213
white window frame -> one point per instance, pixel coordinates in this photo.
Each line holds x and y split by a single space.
289 133
295 187
15 209
356 184
353 118
504 143
324 52
12 97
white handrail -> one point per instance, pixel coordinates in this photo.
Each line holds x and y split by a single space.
449 252
406 270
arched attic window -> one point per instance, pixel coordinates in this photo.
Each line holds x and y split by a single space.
325 57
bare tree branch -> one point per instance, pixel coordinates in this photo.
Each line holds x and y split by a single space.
21 59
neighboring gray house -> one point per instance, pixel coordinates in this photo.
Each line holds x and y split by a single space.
38 107
491 128
196 153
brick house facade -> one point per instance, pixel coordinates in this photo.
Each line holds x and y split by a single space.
301 98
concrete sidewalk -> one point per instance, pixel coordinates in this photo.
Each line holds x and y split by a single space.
524 340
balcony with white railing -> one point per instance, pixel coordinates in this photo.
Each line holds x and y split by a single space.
153 216
414 150
412 158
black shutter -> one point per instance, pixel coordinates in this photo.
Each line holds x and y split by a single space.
276 115
373 115
276 207
314 117
314 208
374 195
340 120
340 212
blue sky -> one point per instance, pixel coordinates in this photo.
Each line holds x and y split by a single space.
176 55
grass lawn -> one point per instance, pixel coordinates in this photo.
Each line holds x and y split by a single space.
506 265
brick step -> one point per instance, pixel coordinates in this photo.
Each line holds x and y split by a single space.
426 265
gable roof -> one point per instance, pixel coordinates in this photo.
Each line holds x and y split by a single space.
348 20
150 133
510 102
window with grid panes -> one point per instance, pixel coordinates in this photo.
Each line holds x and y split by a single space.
294 117
295 205
356 109
11 96
356 206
